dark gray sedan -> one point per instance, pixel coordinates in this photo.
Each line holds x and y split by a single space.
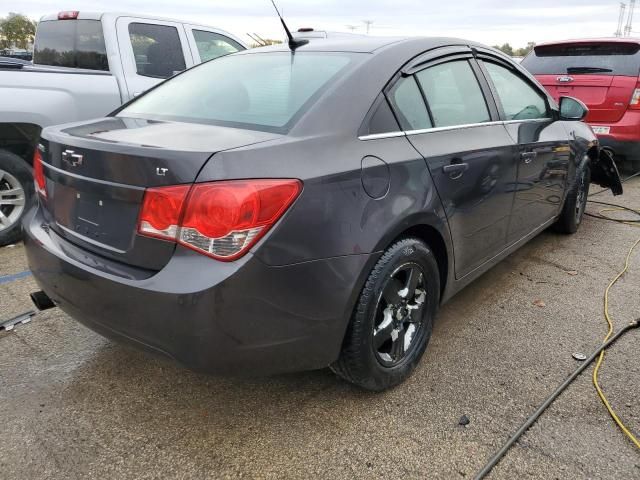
272 210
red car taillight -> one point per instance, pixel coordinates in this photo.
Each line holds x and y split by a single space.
38 174
634 104
220 219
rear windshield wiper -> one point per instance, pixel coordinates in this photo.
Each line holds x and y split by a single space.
588 70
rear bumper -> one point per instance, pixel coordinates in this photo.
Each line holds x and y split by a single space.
624 135
238 317
626 149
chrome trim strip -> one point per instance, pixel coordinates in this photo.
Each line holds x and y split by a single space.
537 120
90 179
376 136
453 127
407 133
90 240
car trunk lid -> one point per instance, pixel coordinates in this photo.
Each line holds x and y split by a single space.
603 74
97 173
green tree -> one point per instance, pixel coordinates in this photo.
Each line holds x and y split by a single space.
16 30
523 52
505 48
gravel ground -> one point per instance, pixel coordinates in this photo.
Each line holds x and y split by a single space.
75 405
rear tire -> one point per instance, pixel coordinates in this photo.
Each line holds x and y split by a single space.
16 196
392 322
575 203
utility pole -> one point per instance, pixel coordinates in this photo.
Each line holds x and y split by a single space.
351 28
623 7
368 23
627 29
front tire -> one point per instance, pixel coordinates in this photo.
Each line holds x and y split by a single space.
575 203
393 320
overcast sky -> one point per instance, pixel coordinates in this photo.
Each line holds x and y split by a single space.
489 21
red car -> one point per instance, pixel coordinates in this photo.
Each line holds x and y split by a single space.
604 74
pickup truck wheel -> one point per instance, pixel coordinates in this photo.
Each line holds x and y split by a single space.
16 195
392 322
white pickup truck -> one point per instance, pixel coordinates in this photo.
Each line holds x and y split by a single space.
85 65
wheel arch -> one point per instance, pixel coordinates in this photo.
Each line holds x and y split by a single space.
20 139
434 239
433 230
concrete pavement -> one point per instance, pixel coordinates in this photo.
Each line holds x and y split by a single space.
74 405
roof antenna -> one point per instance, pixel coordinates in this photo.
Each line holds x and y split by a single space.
293 43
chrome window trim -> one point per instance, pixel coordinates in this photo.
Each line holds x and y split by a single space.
453 127
545 119
407 133
376 136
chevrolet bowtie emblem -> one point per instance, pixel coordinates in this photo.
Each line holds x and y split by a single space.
72 158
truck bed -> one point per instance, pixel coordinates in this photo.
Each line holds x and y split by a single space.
43 95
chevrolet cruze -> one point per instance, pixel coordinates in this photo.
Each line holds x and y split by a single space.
277 210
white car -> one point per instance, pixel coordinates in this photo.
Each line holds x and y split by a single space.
86 65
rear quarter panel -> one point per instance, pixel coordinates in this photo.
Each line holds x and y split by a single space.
334 215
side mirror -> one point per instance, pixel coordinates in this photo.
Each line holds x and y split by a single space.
572 109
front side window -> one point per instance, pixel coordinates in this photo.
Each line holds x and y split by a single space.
409 105
262 91
71 43
520 101
453 94
157 50
213 45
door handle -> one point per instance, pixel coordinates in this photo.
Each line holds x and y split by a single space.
455 170
528 157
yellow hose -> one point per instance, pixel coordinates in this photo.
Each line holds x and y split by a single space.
596 370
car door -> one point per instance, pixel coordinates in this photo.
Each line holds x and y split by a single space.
467 149
543 146
207 44
151 51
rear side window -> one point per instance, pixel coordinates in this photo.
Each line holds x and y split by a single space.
213 45
71 43
407 101
520 101
453 94
593 59
382 119
157 50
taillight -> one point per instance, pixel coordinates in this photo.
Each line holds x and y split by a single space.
38 174
635 99
161 210
220 219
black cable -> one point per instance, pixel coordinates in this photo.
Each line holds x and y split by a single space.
611 219
532 419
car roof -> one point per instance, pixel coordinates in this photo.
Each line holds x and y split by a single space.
592 40
368 44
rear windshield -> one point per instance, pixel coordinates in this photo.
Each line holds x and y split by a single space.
592 59
71 43
260 91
